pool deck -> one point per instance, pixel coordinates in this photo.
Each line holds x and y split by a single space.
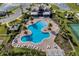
45 44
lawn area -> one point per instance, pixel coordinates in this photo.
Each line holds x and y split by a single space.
22 52
28 52
14 22
3 35
5 38
77 50
0 4
3 30
73 6
54 7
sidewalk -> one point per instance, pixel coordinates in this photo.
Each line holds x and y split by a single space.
55 51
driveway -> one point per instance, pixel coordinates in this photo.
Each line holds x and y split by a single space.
55 51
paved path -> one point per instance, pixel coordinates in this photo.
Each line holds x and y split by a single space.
55 51
71 45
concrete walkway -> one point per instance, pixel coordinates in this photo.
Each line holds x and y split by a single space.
55 51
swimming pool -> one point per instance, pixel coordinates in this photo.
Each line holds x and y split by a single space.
37 35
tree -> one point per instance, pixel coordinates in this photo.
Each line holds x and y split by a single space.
31 18
50 25
25 32
9 13
49 28
24 28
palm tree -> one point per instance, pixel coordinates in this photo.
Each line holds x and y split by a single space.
31 18
49 26
25 32
25 28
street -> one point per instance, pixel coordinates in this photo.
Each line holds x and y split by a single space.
15 15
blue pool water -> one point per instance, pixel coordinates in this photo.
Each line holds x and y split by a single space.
37 35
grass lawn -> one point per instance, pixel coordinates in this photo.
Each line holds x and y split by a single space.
27 52
14 22
54 7
5 38
0 4
3 34
73 6
77 50
22 52
3 29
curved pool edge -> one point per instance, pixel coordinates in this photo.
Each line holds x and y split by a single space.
41 31
47 38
